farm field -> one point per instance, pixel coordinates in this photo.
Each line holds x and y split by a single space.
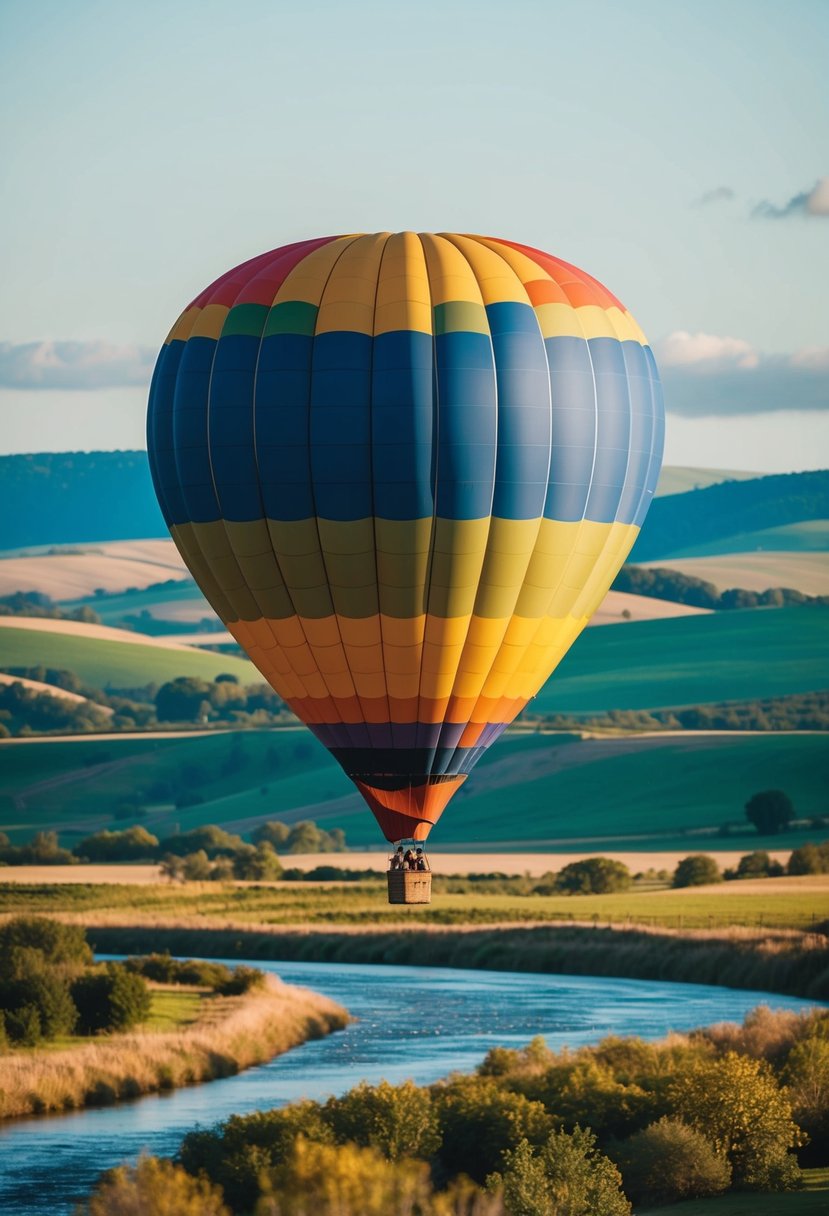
183 603
65 572
679 479
723 656
631 793
364 905
107 662
757 571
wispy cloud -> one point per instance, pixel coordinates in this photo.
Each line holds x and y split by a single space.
73 365
809 203
720 194
708 374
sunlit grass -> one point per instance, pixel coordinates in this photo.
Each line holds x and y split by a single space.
813 1201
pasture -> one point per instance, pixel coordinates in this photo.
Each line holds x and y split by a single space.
757 571
106 663
806 536
654 793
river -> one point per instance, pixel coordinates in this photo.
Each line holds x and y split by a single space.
412 1022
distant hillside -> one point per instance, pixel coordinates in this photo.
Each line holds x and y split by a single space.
682 521
81 497
70 497
678 479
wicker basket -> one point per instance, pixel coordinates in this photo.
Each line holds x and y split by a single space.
410 886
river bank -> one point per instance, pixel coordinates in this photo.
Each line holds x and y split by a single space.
790 963
234 1033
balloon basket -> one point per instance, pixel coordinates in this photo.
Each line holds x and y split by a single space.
410 886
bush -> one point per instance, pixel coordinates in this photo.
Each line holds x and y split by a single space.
154 1187
669 1161
769 811
111 999
397 1120
133 844
566 1176
593 876
696 871
479 1121
257 865
810 859
46 992
757 865
56 944
23 1026
346 1180
738 1105
215 842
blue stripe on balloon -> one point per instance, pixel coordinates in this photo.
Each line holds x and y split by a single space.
283 382
613 430
340 425
230 428
467 426
160 446
641 429
190 431
574 427
402 425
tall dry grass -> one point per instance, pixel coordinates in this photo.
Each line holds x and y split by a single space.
784 961
233 1033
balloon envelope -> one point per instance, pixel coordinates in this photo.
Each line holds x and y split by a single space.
404 469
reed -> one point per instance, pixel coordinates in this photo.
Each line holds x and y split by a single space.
231 1034
789 962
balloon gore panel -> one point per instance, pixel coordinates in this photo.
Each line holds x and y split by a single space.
404 469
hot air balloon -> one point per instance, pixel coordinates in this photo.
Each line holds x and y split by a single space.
404 469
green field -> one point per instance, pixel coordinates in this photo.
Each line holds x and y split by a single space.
808 536
812 1201
106 664
692 660
216 905
112 609
592 794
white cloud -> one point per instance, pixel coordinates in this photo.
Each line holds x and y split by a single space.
73 365
808 202
707 375
705 352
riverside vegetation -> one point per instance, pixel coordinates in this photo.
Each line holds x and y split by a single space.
75 1033
570 1133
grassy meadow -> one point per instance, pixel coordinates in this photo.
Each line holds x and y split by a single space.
806 536
773 903
669 792
104 663
813 1200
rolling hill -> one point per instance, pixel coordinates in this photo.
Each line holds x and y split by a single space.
646 793
759 570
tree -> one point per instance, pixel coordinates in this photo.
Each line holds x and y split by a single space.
566 1176
593 876
111 999
273 831
769 811
215 841
398 1120
196 867
257 865
809 859
46 992
670 1161
56 944
758 865
737 1104
696 871
154 1187
132 844
346 1180
181 700
479 1121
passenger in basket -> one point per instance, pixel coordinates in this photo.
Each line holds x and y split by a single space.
396 859
420 861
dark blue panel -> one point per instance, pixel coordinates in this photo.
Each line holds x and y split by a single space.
284 352
339 351
160 444
190 430
613 430
403 349
467 425
283 385
512 317
230 428
574 427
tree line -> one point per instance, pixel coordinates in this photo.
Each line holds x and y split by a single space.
663 583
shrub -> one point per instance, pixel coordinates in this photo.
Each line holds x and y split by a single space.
154 1187
215 842
769 811
593 876
809 859
22 1025
758 865
669 1161
54 942
111 999
258 865
696 871
567 1176
479 1121
346 1180
737 1103
397 1120
133 844
806 1075
196 867
45 991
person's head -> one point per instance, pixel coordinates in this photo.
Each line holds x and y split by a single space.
420 852
400 848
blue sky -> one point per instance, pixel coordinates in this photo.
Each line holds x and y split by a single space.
677 151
